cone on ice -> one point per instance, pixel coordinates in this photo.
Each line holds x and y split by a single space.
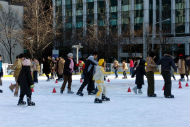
56 81
163 87
108 80
32 89
54 90
187 84
129 89
180 85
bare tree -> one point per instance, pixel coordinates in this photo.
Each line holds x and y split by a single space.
10 29
38 26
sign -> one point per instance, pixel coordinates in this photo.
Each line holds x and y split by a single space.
55 53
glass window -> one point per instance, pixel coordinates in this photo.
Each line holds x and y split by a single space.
68 2
180 16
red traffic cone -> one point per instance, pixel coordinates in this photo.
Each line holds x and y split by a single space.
80 80
180 85
54 90
108 80
32 89
163 87
187 84
129 89
179 82
56 81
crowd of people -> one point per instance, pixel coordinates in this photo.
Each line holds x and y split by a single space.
27 69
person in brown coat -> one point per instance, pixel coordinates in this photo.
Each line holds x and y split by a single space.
150 69
60 68
125 68
181 67
17 66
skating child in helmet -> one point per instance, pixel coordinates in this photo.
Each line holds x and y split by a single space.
99 80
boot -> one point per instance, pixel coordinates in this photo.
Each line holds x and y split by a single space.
61 91
21 102
97 100
16 91
169 96
80 93
70 92
30 103
135 89
1 91
140 91
104 98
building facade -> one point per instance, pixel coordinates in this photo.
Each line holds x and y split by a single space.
140 25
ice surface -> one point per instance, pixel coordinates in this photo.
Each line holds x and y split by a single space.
124 109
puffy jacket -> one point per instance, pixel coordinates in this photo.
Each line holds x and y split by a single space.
99 74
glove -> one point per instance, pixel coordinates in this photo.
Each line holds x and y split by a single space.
32 86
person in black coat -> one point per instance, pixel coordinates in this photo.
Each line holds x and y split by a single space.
46 67
166 63
69 67
25 82
1 73
89 70
139 72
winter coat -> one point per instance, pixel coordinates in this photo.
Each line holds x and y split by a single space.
140 72
124 66
1 69
25 80
100 74
46 67
151 65
131 64
17 66
61 66
90 67
67 70
181 66
166 63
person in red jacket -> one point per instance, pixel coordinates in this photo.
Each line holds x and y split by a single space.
131 66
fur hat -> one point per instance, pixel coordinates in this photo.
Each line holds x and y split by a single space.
70 55
26 62
100 62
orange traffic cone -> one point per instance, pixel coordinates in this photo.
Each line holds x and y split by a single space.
54 90
108 80
129 89
32 89
81 80
56 81
163 87
187 84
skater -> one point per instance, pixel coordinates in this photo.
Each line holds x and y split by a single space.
17 66
187 67
150 69
166 63
68 70
52 67
125 68
46 67
1 73
131 66
116 67
99 80
25 82
60 68
139 72
88 72
181 67
36 69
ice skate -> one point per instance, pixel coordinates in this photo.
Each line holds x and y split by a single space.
97 100
70 92
104 98
30 103
80 93
140 91
21 102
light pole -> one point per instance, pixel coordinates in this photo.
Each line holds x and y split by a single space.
79 46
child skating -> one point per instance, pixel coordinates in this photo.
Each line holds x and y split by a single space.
99 80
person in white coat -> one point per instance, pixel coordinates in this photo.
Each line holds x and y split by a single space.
99 80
